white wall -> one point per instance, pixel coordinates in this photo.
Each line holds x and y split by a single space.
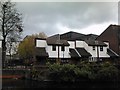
79 44
107 44
65 54
104 52
54 54
72 44
101 53
86 46
41 43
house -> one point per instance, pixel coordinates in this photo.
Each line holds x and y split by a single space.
54 49
111 35
92 50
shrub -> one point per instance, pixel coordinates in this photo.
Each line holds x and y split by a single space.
82 72
64 72
107 72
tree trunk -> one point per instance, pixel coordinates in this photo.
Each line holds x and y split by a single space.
3 53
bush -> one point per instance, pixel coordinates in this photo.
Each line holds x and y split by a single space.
82 72
54 72
107 72
64 72
70 73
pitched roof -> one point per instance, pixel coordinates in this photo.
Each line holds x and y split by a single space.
78 36
110 28
71 36
55 40
90 37
41 52
111 53
83 52
95 43
114 27
73 53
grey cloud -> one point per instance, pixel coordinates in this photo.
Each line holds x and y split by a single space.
42 17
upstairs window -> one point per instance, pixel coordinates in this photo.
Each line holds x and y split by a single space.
93 47
62 48
101 48
53 48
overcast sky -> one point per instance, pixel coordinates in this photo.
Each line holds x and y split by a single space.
60 17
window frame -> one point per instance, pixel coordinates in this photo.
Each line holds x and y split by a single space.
101 48
62 48
53 47
93 48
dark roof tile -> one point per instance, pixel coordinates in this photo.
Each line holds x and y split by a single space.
41 52
74 54
83 52
95 43
55 40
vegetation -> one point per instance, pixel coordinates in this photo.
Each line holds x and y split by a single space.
26 48
65 72
108 72
10 25
86 72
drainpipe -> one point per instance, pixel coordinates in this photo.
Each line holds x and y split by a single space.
75 44
96 42
58 55
97 54
58 61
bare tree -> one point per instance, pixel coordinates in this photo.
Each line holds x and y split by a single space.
12 45
10 22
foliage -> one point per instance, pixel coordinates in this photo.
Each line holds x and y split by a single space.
108 72
26 48
87 71
65 72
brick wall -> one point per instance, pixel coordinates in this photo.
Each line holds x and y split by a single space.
110 35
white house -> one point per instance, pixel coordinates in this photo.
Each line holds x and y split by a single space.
96 49
53 48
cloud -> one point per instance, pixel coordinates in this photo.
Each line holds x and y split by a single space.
49 17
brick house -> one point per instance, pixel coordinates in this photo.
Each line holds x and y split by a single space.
111 35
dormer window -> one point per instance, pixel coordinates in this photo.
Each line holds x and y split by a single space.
101 48
53 48
93 47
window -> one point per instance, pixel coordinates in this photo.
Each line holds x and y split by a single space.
101 48
62 48
54 48
93 47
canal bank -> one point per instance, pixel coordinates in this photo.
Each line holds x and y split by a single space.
14 73
65 76
16 84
